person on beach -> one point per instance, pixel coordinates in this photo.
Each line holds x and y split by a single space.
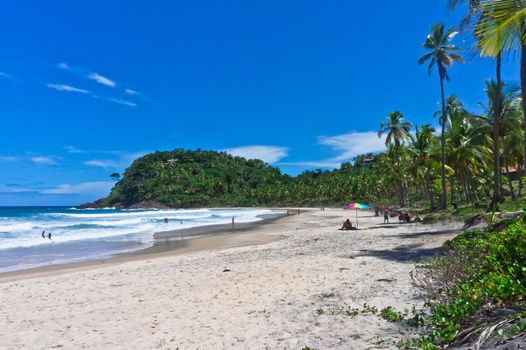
386 215
347 226
44 234
49 235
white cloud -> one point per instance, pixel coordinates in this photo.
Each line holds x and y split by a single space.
121 102
62 87
43 160
97 188
346 146
353 144
121 161
131 92
102 163
101 79
268 154
63 66
73 149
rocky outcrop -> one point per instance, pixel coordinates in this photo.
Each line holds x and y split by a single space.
149 204
102 203
98 204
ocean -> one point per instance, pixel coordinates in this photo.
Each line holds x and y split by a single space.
92 234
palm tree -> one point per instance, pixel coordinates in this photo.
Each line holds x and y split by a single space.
479 14
495 95
512 139
502 31
397 132
511 133
453 106
420 149
442 55
467 152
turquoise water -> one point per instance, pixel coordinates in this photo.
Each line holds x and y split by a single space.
82 235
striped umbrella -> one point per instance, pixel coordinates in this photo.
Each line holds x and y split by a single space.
356 206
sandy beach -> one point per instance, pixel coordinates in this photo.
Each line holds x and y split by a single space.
259 289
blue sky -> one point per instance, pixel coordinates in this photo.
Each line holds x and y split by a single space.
87 86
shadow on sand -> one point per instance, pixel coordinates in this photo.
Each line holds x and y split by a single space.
401 254
418 234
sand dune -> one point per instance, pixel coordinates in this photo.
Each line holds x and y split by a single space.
250 297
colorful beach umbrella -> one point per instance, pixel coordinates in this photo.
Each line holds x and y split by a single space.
356 206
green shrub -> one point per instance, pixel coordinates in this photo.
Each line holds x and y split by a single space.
483 270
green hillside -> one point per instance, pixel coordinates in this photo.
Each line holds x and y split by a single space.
183 179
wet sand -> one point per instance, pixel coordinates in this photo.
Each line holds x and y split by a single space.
175 242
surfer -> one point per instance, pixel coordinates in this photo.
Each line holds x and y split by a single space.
44 234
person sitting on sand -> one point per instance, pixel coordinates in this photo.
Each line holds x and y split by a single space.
404 217
347 226
49 235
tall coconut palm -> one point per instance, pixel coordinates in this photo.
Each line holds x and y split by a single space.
453 107
496 95
512 137
420 150
478 14
467 153
396 130
503 31
507 125
442 55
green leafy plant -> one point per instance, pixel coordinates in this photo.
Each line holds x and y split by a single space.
389 314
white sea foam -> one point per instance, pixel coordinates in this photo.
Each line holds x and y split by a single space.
16 227
137 225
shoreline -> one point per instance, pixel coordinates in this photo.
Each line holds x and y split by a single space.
285 294
167 243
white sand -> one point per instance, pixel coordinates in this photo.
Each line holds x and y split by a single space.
268 300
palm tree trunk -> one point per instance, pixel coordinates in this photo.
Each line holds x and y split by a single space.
397 185
519 170
429 192
442 143
496 149
399 178
453 195
467 192
523 90
507 167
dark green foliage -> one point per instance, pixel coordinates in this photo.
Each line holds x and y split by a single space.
484 270
391 315
185 179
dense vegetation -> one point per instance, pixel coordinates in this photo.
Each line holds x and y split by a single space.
207 178
408 173
476 291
